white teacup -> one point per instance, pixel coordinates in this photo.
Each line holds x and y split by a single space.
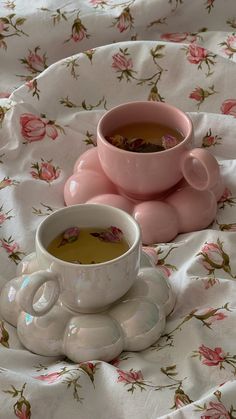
81 288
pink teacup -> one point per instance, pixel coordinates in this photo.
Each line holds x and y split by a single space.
145 175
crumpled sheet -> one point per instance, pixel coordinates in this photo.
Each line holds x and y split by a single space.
63 65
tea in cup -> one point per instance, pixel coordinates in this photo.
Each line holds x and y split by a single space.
89 256
146 148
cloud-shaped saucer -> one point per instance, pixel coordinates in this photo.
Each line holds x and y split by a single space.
181 210
133 323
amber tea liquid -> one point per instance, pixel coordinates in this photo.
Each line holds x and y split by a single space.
88 245
149 131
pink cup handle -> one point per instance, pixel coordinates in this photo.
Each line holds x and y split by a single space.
200 169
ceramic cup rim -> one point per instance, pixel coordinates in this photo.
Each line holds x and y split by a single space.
60 262
144 103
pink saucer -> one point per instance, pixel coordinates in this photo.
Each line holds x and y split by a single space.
180 210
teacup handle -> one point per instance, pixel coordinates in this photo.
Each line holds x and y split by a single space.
200 169
30 286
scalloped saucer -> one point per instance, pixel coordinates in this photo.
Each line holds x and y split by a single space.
179 210
132 323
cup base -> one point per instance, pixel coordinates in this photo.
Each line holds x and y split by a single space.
181 209
84 310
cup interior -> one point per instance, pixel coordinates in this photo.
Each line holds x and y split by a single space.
145 111
87 215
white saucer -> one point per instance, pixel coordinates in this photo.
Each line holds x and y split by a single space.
133 323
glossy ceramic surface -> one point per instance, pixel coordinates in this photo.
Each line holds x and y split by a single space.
179 210
144 175
133 323
84 288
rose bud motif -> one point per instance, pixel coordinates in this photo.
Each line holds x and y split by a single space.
70 235
111 234
168 141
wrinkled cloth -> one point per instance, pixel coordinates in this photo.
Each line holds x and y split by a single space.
62 65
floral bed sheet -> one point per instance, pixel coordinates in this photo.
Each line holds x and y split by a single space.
61 66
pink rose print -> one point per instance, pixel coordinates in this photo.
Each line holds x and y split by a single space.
89 368
2 218
199 55
152 253
116 361
227 198
30 84
2 26
211 357
124 21
131 379
199 94
48 172
4 215
228 107
34 128
45 171
129 376
49 378
209 282
181 398
160 262
213 252
165 270
9 247
78 31
121 62
209 5
22 407
178 37
215 411
6 181
51 131
210 140
155 95
33 87
12 248
4 95
71 376
97 3
196 54
205 316
230 45
35 62
226 195
214 257
209 315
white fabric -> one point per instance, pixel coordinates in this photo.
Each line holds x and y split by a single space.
116 52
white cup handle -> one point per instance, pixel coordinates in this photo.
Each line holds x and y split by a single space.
30 286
